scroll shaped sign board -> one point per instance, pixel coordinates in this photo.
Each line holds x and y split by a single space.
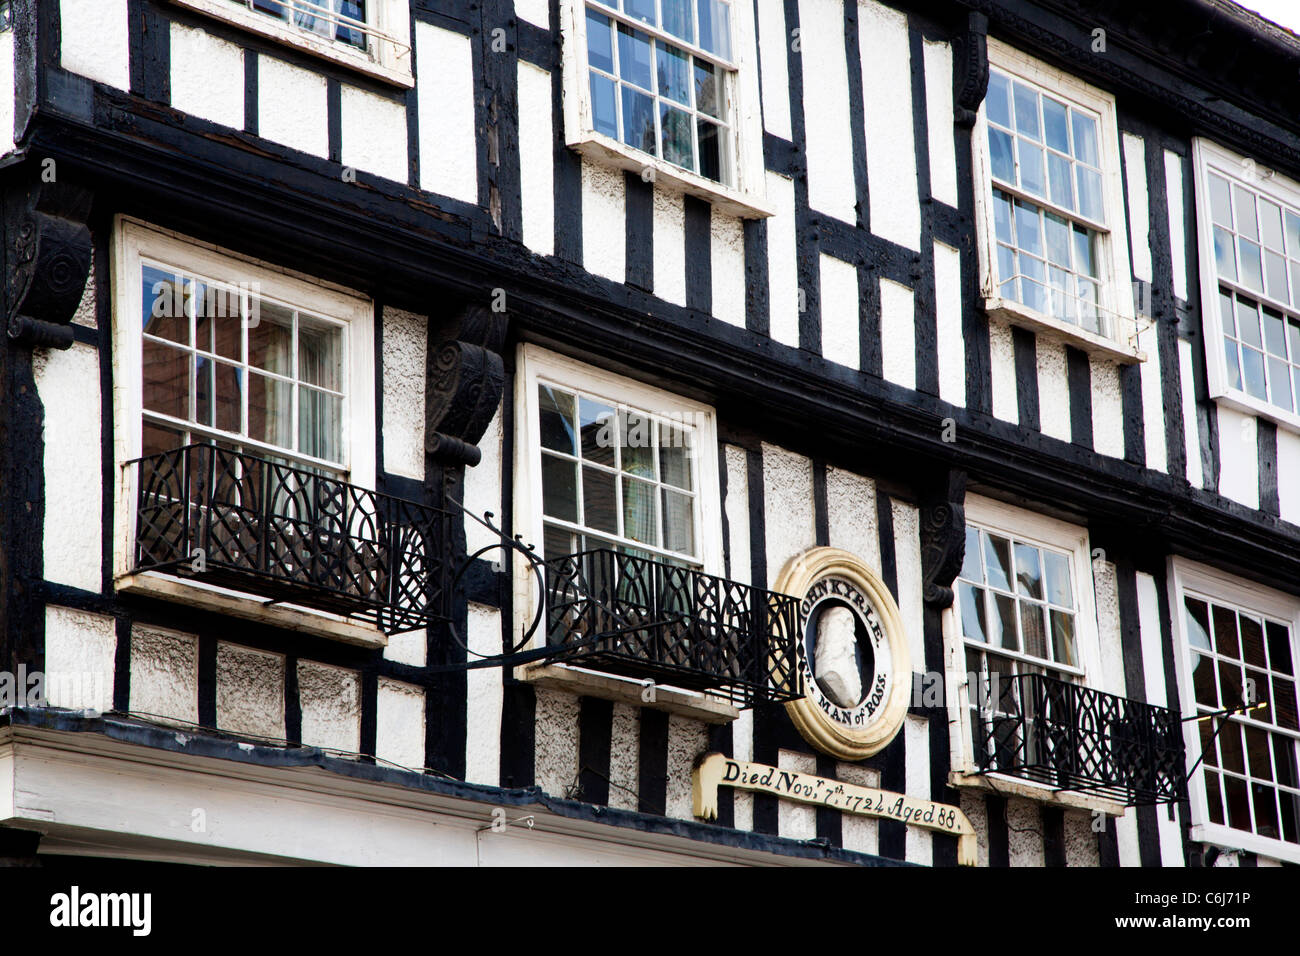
717 770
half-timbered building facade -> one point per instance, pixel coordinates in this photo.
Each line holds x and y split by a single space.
431 431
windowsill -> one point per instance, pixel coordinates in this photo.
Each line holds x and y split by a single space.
578 680
1023 316
266 26
1249 405
1012 787
609 151
249 607
1231 839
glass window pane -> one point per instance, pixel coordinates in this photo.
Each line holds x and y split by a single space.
997 561
1059 591
1279 647
1233 755
1034 284
998 100
1225 632
637 438
1007 267
1056 125
1002 216
1090 203
559 488
1085 138
320 353
679 19
638 120
715 27
1028 231
1001 157
640 515
1265 804
1233 360
1207 693
1220 201
708 90
270 342
678 147
1274 332
1292 234
555 412
1270 224
596 424
1238 803
1257 753
1002 626
1227 313
600 42
1064 650
1244 204
1248 323
604 112
643 10
1252 367
1085 252
1029 572
219 322
203 390
1062 185
1280 383
320 424
1033 178
599 507
1293 333
674 74
1213 797
1058 240
1225 256
1275 275
675 456
679 522
166 376
270 410
1026 103
970 566
163 306
229 400
634 56
1033 629
713 149
971 600
1284 703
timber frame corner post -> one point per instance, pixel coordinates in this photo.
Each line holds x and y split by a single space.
48 250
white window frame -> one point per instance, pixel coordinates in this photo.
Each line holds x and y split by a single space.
1207 582
1266 182
747 197
388 35
1116 282
1043 531
535 364
134 241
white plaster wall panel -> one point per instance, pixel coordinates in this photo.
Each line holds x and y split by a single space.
399 724
207 76
94 40
782 272
859 833
796 821
1191 431
1153 667
851 515
164 673
68 385
828 141
250 691
687 739
1139 210
624 758
1177 227
483 698
840 312
736 507
742 748
938 112
1153 402
331 706
1002 362
374 134
1238 457
292 106
772 46
534 11
669 227
6 91
1024 833
536 141
1288 475
80 657
1107 409
1126 838
483 487
897 334
410 647
976 809
727 263
448 154
891 143
1080 841
603 221
788 502
1108 628
907 555
556 742
916 731
86 312
406 339
947 312
1053 390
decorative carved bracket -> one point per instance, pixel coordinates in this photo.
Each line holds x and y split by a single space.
970 69
943 539
49 258
466 378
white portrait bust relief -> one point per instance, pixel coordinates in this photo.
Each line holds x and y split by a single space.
835 662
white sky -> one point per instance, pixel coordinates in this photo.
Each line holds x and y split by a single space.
1283 12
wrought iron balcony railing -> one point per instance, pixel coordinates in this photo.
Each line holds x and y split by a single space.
647 619
1076 738
290 534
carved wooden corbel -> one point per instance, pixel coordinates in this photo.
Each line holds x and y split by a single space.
49 260
466 378
943 539
970 69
